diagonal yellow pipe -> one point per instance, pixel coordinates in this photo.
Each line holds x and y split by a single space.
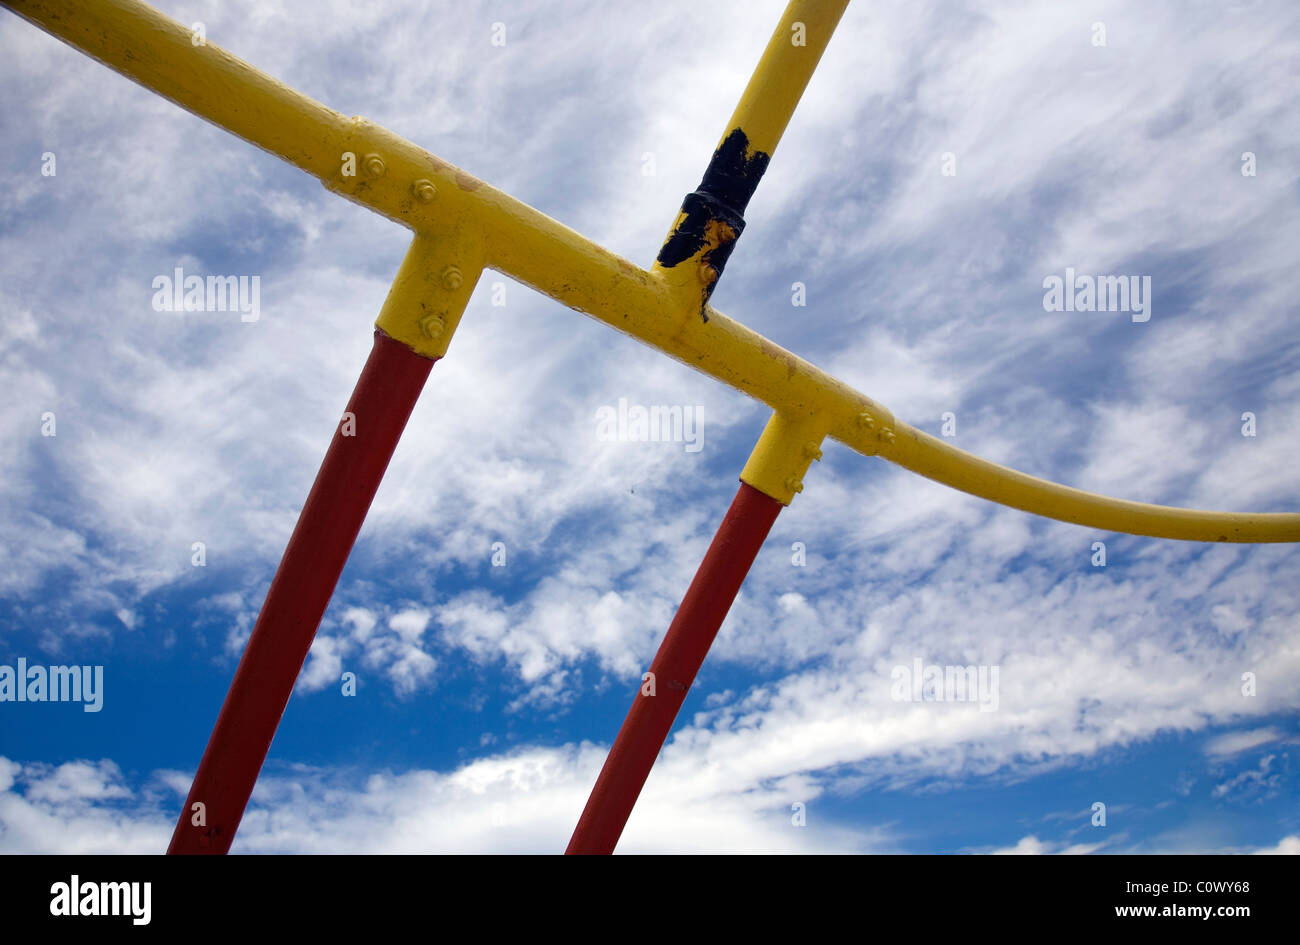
161 54
711 218
444 204
788 62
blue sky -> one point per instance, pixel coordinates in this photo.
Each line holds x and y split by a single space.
488 695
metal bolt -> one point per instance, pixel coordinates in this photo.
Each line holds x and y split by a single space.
794 485
374 165
432 326
866 421
451 278
812 451
424 190
887 435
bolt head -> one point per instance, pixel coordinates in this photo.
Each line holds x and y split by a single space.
374 165
432 326
451 278
887 435
812 451
866 421
794 485
424 190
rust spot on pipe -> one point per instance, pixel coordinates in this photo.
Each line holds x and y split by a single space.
467 181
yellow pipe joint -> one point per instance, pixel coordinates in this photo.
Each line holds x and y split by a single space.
788 446
429 294
463 225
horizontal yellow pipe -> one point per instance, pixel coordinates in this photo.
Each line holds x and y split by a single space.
447 205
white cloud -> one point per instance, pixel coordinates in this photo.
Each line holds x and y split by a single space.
925 292
76 807
523 801
1289 846
397 649
1252 783
526 801
1233 743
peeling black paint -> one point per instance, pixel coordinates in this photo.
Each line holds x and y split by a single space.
732 177
718 203
691 235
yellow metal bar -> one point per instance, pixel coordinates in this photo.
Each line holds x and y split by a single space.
443 203
711 218
937 460
783 72
159 53
430 293
788 446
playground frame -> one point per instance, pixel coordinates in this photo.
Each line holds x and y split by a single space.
463 226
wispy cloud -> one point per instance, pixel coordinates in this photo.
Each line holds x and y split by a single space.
924 290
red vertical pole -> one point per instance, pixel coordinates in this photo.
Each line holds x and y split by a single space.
385 394
716 583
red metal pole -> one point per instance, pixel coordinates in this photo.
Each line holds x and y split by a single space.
386 392
648 722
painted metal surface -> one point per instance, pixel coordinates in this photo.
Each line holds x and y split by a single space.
358 455
462 226
156 51
711 218
663 690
